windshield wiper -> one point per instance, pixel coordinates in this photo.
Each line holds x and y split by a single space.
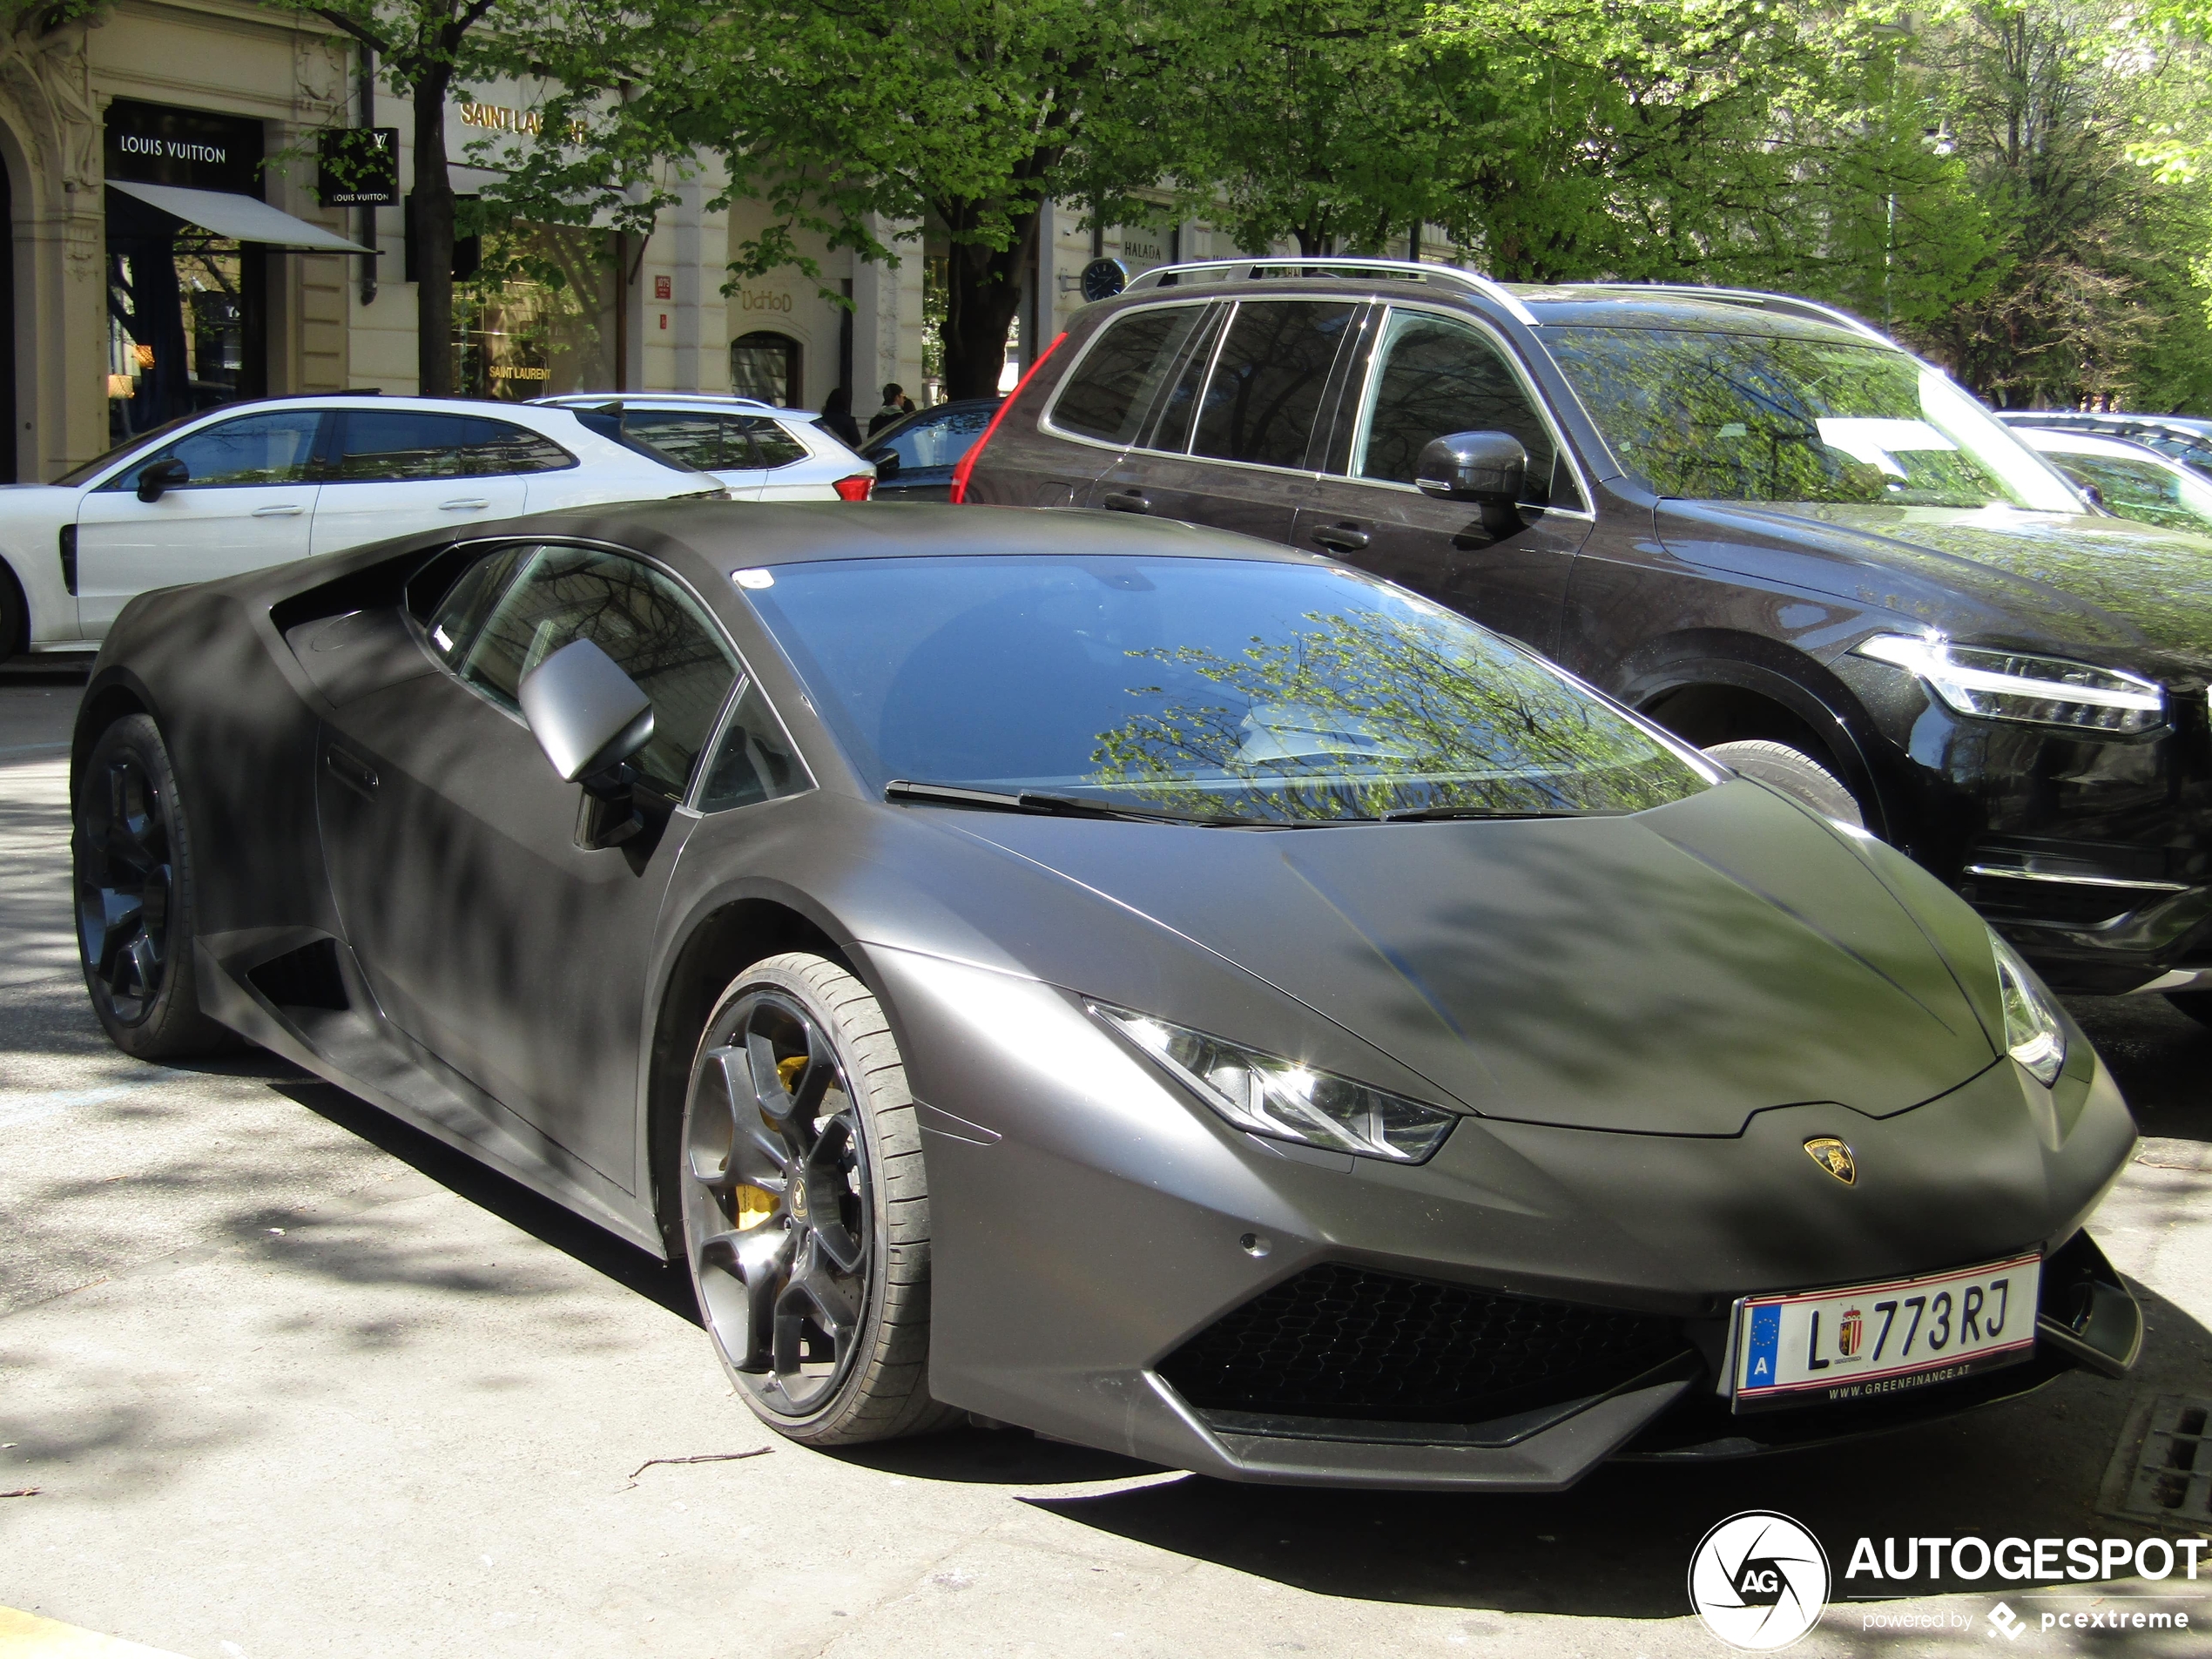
1422 814
1030 800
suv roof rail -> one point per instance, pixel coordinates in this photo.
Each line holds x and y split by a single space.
1787 302
1332 265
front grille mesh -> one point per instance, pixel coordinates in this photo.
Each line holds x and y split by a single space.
1340 1342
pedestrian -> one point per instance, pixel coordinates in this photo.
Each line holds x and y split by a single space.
837 418
895 408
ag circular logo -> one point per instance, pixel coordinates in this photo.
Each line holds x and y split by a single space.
1759 1581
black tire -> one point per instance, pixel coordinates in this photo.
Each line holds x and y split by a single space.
131 857
1796 774
805 1207
14 616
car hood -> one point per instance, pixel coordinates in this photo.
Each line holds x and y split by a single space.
2075 581
1672 973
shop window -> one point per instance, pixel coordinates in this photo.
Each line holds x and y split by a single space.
537 318
186 309
765 366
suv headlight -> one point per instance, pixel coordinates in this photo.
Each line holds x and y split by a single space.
1270 1095
2032 1035
2013 686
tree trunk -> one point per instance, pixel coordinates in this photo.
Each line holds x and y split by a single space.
432 207
983 292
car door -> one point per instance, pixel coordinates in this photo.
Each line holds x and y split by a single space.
1247 438
395 471
488 936
706 438
1429 375
249 500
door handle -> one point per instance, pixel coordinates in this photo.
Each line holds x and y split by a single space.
288 509
463 504
1341 539
1126 501
357 775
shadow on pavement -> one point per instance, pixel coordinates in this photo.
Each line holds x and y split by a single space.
2159 1056
513 1203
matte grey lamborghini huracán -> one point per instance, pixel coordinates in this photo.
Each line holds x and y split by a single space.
1156 987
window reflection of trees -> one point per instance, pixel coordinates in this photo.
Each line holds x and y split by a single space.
652 630
1371 713
1737 417
1439 377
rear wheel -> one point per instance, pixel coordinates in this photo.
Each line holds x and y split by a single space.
134 884
805 1207
1796 774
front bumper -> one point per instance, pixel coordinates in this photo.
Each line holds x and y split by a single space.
2092 854
1113 1266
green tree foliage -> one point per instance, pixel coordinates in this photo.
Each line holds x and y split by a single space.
846 121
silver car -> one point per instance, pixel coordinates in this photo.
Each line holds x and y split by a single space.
760 452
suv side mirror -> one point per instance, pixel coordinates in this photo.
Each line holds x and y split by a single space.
162 475
589 718
887 462
1474 466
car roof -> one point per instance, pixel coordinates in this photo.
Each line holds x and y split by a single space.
2101 420
744 534
1619 305
2072 441
671 401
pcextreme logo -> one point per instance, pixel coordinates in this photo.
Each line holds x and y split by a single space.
1758 1581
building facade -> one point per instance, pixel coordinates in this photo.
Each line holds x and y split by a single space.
173 251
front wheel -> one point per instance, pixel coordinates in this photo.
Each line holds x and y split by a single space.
806 1208
1796 774
132 858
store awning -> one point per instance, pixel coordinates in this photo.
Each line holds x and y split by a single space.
227 213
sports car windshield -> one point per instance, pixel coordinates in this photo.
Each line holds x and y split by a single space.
1752 417
1212 689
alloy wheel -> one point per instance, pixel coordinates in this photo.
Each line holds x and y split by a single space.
124 886
778 1206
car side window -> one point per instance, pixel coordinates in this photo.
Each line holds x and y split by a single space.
457 617
1435 376
941 442
656 632
699 438
755 760
384 446
270 448
775 446
1268 380
1111 390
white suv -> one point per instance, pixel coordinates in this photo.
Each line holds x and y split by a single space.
759 451
252 484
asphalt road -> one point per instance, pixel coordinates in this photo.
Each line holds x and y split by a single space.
291 1379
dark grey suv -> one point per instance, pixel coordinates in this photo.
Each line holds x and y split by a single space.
1748 516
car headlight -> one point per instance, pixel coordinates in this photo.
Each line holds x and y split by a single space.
1270 1095
2014 685
2032 1035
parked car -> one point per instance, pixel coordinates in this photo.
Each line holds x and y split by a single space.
1170 992
2131 479
268 481
923 449
1747 515
760 452
2187 438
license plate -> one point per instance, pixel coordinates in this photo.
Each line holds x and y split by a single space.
1873 1340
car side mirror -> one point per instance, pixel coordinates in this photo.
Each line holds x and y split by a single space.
1474 466
162 475
589 718
887 462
